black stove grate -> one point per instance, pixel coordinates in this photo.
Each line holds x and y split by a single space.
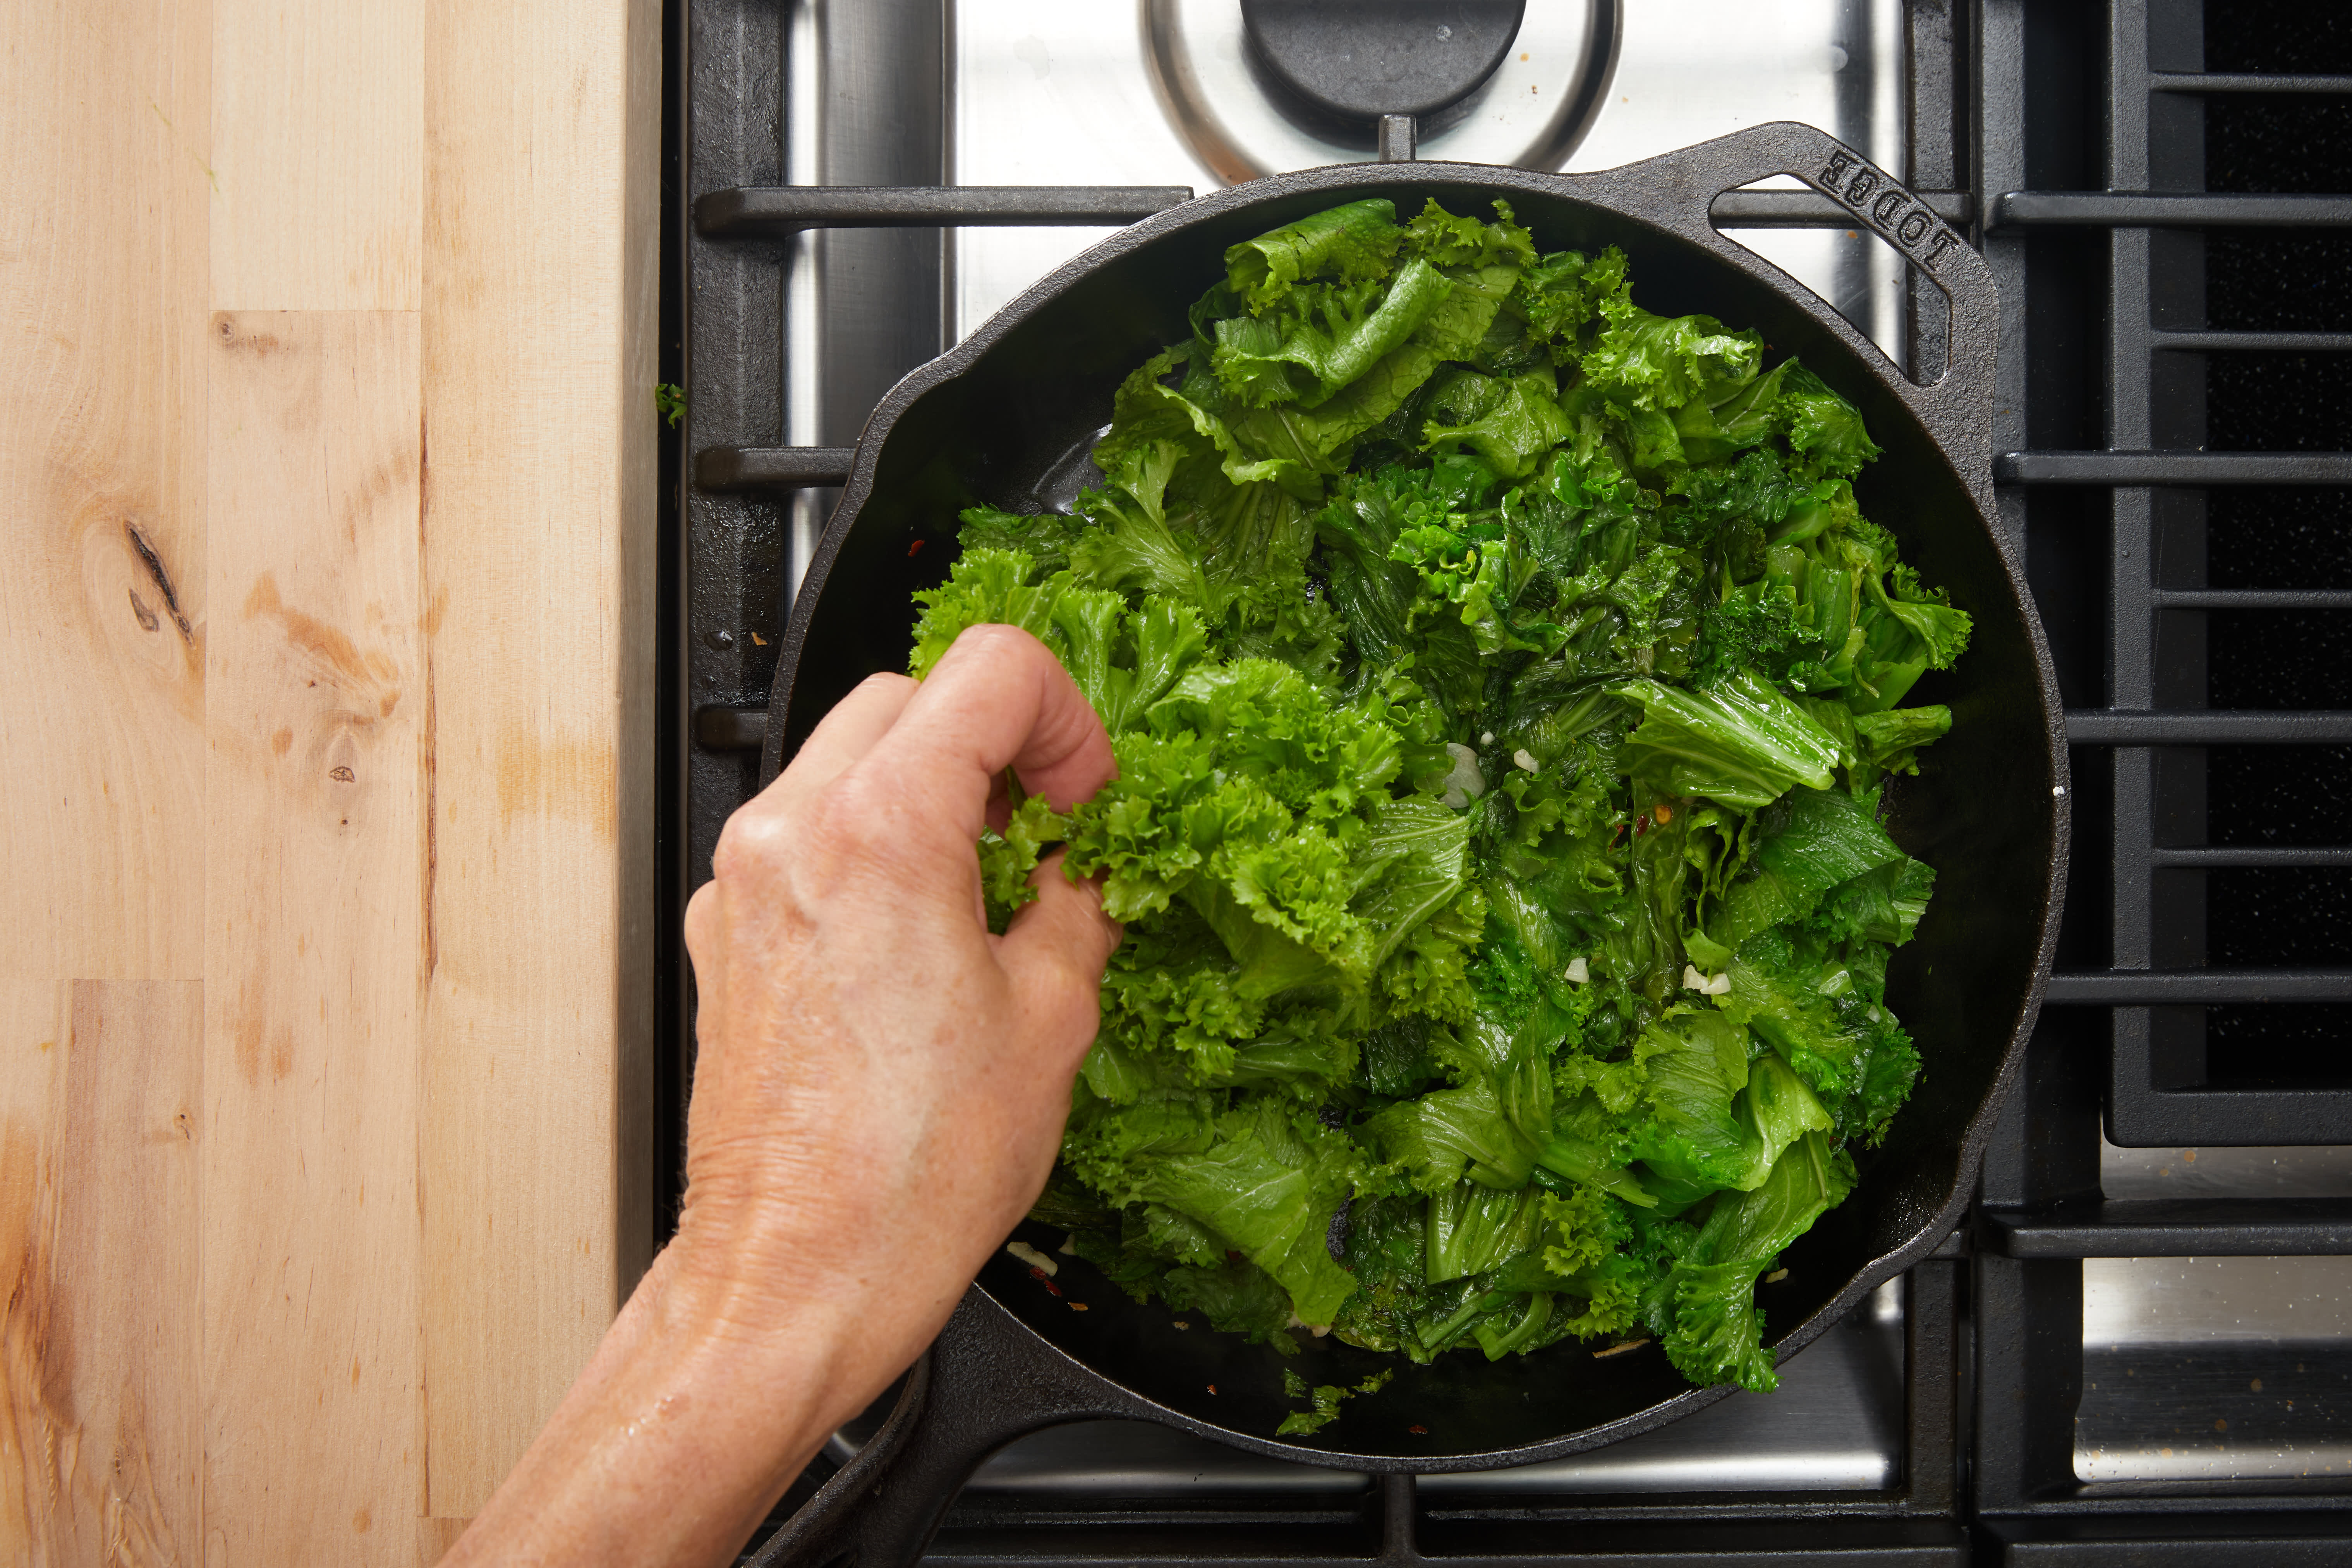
2156 186
2174 452
2181 409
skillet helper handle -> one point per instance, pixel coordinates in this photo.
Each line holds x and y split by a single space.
986 1380
1679 190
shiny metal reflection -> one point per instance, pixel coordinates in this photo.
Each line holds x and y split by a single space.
1064 91
2217 1368
2312 1171
2214 1368
865 104
2215 1300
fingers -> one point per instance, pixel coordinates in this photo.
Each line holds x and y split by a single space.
997 699
1054 951
1000 802
856 724
702 947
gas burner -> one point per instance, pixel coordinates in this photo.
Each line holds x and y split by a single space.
1358 63
1272 85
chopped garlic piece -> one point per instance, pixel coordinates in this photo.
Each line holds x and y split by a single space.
1466 782
1578 971
1487 739
1706 985
1033 1257
1069 1247
1524 761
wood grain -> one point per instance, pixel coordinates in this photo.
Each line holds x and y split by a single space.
103 112
318 109
255 922
314 893
100 1436
539 319
439 1535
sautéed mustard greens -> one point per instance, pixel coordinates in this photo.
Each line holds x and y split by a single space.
1503 682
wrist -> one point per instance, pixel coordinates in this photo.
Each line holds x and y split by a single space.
711 1322
686 1424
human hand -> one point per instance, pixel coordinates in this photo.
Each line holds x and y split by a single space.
878 1096
882 1082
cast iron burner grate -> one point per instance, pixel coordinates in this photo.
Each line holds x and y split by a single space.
2156 187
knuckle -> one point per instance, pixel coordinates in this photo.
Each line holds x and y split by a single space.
752 843
1073 1024
883 681
700 910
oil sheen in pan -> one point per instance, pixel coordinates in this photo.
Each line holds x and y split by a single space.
1531 112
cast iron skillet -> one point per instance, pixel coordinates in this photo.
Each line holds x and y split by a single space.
1006 417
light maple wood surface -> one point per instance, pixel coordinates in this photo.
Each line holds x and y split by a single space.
327 457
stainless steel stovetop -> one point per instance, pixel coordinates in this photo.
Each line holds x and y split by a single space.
1160 92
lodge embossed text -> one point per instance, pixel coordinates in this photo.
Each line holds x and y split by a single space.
1888 208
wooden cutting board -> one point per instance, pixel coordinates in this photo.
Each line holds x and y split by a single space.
327 468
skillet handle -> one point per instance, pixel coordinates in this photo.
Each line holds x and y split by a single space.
1678 190
985 1381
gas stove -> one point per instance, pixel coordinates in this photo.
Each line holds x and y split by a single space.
2139 1337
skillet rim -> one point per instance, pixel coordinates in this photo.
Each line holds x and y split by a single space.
1948 414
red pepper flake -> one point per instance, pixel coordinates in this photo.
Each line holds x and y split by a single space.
1044 1278
1212 1388
1077 1306
1418 1431
912 547
1640 824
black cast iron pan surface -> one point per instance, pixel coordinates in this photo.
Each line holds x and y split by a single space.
1006 417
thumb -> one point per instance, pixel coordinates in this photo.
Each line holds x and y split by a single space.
1054 951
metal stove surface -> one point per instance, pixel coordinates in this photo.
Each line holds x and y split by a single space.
2212 1368
2205 1396
1058 92
1158 93
1075 91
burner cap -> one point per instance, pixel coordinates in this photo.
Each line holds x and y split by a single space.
1363 58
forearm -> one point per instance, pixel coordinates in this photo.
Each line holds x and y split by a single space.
682 1432
878 1096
